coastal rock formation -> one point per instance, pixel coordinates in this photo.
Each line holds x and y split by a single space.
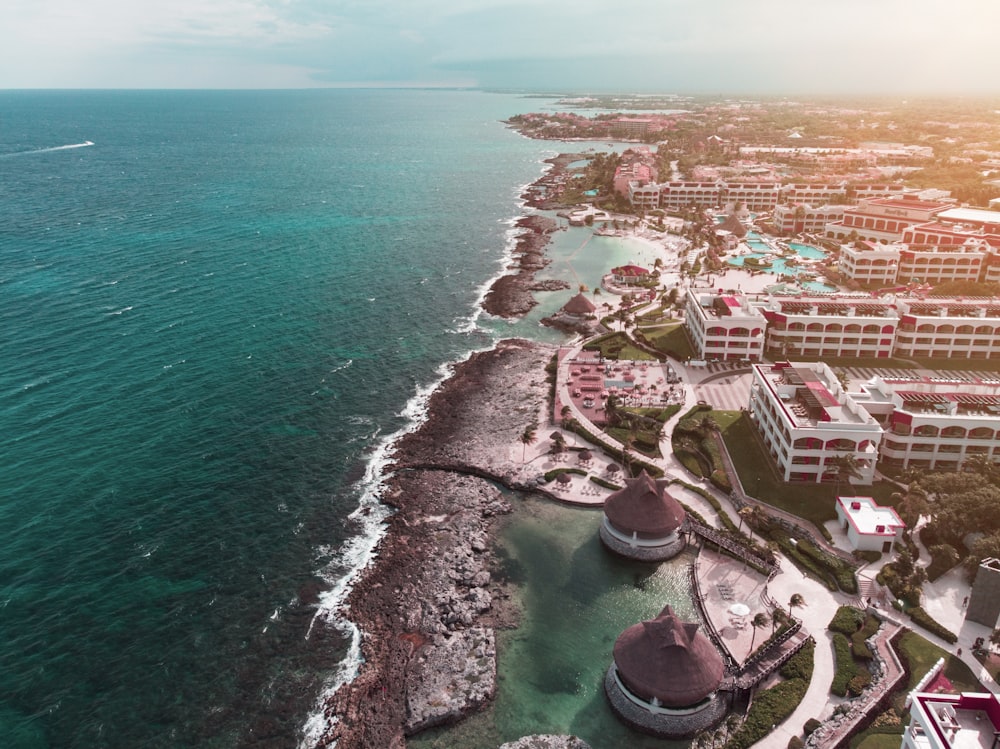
510 295
450 676
430 603
547 742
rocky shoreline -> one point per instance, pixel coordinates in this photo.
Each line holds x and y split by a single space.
430 604
511 295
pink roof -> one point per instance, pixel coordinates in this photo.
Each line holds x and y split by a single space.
629 270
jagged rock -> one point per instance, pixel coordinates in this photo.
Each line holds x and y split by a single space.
451 676
548 741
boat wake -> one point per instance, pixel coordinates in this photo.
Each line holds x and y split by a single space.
67 147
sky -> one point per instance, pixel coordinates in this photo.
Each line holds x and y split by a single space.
663 46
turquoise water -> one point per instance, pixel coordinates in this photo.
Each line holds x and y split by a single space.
578 599
807 251
817 286
212 319
778 264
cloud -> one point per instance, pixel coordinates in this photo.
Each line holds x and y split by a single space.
717 45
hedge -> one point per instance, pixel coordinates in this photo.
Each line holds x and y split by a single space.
770 707
925 620
846 668
549 475
847 620
606 484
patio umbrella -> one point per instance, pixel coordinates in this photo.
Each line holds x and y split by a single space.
739 609
614 468
563 478
585 456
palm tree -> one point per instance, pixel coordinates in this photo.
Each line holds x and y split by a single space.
795 601
745 512
845 466
760 620
528 437
778 617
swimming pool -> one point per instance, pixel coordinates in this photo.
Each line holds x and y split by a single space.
817 286
807 251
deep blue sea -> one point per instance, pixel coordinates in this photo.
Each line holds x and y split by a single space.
215 308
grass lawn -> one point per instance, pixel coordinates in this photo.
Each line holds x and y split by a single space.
671 339
991 663
921 654
618 346
813 502
881 741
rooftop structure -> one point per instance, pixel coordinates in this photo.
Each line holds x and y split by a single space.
643 521
724 326
869 526
809 423
665 677
953 721
884 219
579 305
934 423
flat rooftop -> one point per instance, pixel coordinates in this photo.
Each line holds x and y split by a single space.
868 517
965 721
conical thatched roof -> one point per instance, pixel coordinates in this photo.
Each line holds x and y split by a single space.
645 507
734 226
668 659
579 305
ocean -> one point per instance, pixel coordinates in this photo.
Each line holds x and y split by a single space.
218 310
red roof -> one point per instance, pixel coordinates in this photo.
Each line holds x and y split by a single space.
629 270
668 659
644 507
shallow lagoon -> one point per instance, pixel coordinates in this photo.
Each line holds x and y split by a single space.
576 599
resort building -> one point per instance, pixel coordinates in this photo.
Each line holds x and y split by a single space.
679 196
934 423
874 264
580 305
809 424
869 263
629 275
724 326
953 721
795 218
884 219
948 328
859 327
665 677
643 521
869 526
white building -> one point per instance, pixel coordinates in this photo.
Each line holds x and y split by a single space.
869 526
724 326
808 422
948 328
953 721
859 327
933 422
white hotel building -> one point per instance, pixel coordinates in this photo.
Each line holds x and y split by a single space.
933 422
724 327
807 420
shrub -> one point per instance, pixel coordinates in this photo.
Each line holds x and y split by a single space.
606 484
796 743
549 475
925 620
769 708
811 725
847 620
857 684
845 666
800 665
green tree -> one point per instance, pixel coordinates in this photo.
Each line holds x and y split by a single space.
528 437
760 620
796 601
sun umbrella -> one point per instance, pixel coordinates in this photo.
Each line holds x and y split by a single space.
614 468
739 609
585 456
563 478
